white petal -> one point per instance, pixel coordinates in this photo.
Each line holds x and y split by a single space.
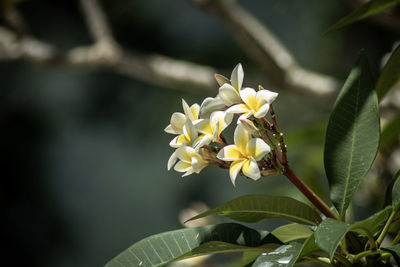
185 153
229 95
216 132
248 96
234 170
190 131
261 112
257 148
241 138
267 96
198 164
221 79
177 121
237 77
172 130
229 153
172 159
209 105
248 125
220 118
202 141
238 109
203 126
250 169
195 109
182 166
187 110
188 172
178 141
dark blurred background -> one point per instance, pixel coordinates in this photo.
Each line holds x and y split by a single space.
84 154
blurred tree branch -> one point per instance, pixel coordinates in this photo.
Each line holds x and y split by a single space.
279 65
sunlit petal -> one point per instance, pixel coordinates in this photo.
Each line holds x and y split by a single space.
235 168
198 164
250 169
195 109
221 79
229 153
248 96
172 159
257 148
182 166
229 95
209 105
238 109
187 110
190 131
172 130
204 126
185 153
220 119
262 111
237 77
188 172
177 121
178 141
241 138
267 96
202 140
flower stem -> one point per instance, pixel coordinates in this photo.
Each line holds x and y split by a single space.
386 227
314 198
396 239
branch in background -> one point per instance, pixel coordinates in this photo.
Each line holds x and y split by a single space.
282 70
279 65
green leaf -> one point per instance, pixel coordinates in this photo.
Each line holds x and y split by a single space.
249 257
396 191
158 250
329 234
291 232
370 8
372 224
390 75
352 135
390 132
285 255
254 208
395 251
309 246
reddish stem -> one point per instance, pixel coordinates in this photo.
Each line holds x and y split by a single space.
314 198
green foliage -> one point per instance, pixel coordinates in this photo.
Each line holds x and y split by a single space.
370 8
390 75
390 132
352 135
254 208
285 255
291 232
395 251
329 234
158 250
396 191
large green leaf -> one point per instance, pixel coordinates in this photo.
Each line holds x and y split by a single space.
391 132
285 255
390 75
309 246
352 135
395 251
291 232
158 250
370 8
396 191
254 208
329 234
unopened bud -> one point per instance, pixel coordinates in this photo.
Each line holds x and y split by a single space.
260 87
249 126
221 79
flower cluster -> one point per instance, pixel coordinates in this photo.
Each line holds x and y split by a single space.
199 141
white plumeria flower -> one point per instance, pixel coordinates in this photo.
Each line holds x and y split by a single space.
211 104
178 119
189 137
190 161
229 93
211 128
255 103
244 154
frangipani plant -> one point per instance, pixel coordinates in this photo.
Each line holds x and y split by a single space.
318 233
